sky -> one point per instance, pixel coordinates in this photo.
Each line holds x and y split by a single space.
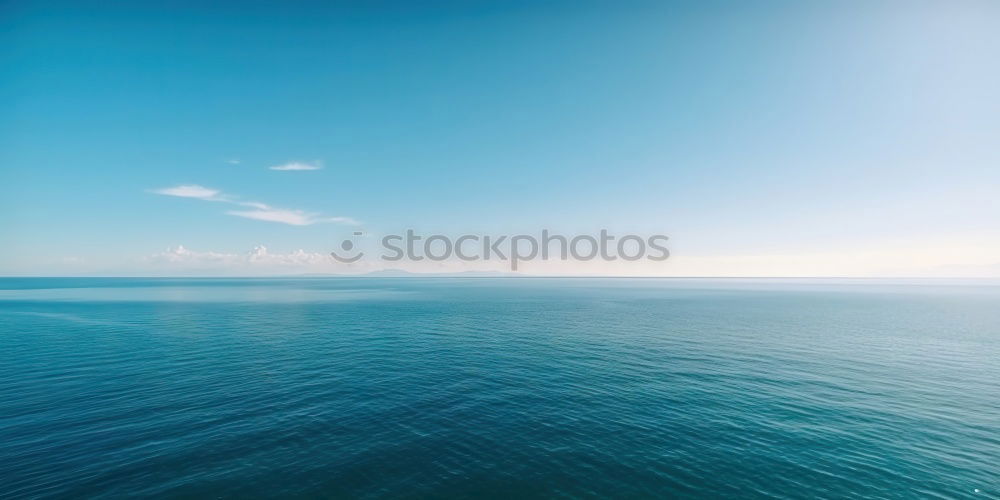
765 138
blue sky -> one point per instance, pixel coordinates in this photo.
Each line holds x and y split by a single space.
765 138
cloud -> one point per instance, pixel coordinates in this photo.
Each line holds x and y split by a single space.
260 258
285 216
295 165
261 261
180 254
292 217
343 220
192 191
261 211
260 255
234 161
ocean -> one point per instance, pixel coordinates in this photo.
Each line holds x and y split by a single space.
499 388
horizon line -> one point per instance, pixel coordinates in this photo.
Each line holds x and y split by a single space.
498 276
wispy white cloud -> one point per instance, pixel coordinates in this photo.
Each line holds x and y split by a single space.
296 165
233 161
343 220
192 191
292 217
254 204
261 211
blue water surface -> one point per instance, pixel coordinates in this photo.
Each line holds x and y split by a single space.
498 387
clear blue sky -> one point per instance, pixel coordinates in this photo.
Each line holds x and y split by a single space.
826 137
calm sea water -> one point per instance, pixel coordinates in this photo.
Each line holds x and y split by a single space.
498 388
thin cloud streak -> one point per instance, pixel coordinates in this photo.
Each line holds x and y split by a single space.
290 217
297 166
261 211
192 191
343 220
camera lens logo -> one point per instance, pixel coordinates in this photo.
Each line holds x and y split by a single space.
348 245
